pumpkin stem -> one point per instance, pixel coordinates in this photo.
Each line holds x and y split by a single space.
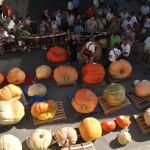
84 107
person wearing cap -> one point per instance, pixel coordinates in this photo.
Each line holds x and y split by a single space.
91 52
114 54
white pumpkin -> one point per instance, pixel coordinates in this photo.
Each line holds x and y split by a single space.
11 112
10 142
147 117
40 139
37 89
66 136
124 138
43 72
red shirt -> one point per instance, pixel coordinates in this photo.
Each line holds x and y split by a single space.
90 13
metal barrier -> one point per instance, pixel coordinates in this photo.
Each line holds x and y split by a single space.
31 42
39 41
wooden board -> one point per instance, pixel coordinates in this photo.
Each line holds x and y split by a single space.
83 146
108 108
141 123
140 102
60 115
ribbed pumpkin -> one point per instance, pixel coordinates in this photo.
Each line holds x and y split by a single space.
16 76
114 94
65 75
1 78
10 91
44 110
93 73
57 54
120 69
90 129
84 101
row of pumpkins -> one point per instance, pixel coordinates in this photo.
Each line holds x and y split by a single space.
92 73
90 129
84 101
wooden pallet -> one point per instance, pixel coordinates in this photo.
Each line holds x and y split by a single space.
140 102
141 123
60 115
83 146
108 108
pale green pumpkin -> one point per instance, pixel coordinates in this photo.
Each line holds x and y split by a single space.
114 94
11 112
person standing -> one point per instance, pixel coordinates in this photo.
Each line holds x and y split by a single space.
73 44
126 48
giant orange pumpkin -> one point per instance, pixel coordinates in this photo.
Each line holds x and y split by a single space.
57 54
84 101
44 110
93 73
90 129
120 69
16 76
65 75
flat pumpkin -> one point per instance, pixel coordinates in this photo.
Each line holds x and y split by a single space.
65 75
57 54
93 73
120 69
114 94
10 91
84 101
44 110
16 76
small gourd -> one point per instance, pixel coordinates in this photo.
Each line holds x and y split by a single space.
124 138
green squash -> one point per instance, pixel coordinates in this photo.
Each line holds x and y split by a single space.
114 94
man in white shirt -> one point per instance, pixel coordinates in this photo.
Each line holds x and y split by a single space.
145 9
125 48
114 54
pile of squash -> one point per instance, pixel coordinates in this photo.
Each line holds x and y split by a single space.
11 109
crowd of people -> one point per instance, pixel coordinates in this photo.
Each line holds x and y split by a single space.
124 31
